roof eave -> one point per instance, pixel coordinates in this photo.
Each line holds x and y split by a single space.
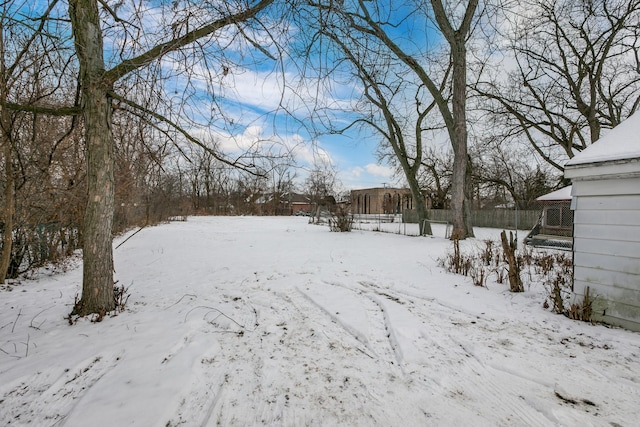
605 169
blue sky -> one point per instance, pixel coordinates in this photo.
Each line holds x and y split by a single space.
249 94
353 154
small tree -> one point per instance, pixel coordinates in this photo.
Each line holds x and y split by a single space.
320 187
341 219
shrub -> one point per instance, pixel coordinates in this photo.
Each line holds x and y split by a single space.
341 219
553 270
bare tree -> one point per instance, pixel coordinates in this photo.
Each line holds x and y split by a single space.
455 118
506 174
7 151
435 177
25 78
320 186
374 26
98 89
281 181
573 71
403 130
186 29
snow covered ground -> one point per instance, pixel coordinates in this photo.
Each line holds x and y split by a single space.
242 321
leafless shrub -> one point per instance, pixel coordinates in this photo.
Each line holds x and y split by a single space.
553 270
556 294
341 219
457 262
478 276
509 248
488 254
581 311
121 297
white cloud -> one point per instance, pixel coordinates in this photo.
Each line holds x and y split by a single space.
379 170
258 140
261 90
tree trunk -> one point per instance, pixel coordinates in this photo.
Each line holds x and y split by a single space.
508 247
97 281
5 142
9 205
460 200
468 199
457 125
421 210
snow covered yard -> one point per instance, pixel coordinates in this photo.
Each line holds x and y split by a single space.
238 321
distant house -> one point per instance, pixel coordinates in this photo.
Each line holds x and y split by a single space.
606 203
381 200
299 203
555 225
283 204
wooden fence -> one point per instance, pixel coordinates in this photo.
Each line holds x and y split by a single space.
494 218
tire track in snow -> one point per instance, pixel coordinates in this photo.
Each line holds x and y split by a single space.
53 401
468 377
386 343
197 405
377 339
299 363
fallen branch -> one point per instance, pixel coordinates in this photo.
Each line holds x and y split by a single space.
221 313
181 298
39 313
125 240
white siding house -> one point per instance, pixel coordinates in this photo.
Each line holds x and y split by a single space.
606 247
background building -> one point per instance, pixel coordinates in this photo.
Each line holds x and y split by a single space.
381 200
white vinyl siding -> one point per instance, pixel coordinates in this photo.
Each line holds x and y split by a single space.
607 247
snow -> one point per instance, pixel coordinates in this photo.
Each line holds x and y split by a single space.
561 194
620 143
239 321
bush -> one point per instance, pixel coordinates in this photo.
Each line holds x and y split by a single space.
341 219
553 270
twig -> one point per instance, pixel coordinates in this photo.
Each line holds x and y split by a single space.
181 298
221 314
26 353
363 352
34 317
4 326
16 321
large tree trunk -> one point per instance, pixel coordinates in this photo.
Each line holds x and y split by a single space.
457 124
9 205
97 280
460 201
5 142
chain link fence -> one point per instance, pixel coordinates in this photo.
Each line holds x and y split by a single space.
441 220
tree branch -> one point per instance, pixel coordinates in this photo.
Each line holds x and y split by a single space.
125 67
185 133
